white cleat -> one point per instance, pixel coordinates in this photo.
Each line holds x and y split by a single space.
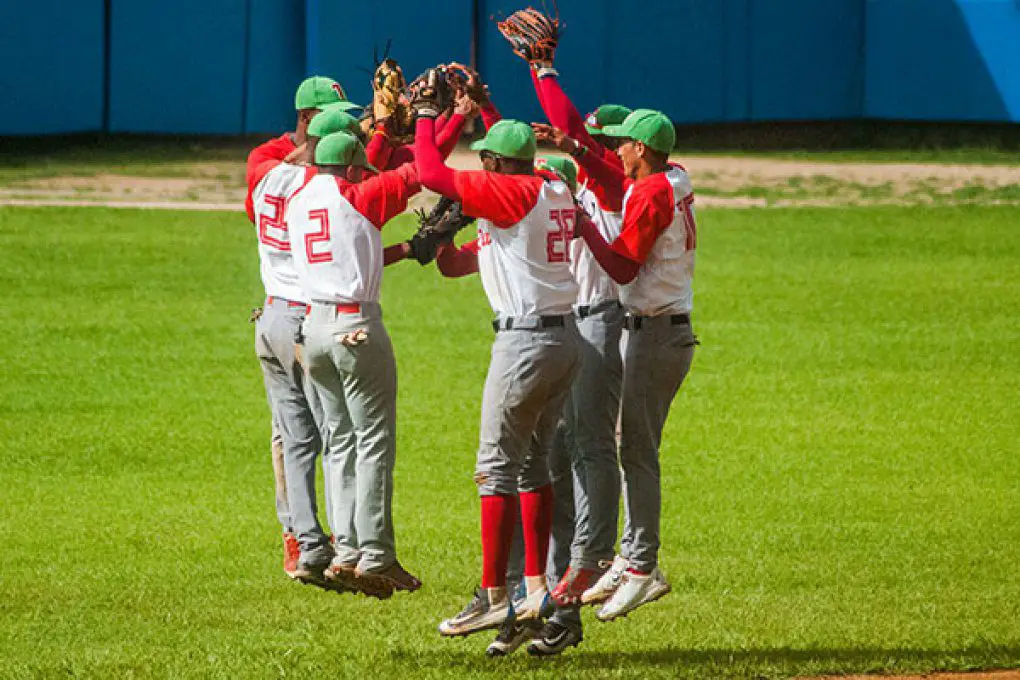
530 608
636 590
480 614
607 583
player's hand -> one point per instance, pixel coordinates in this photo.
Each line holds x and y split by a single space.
555 137
466 106
470 82
581 221
297 156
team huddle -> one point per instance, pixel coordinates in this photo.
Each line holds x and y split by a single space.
587 262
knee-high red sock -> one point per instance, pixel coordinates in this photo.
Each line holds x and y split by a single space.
499 514
536 519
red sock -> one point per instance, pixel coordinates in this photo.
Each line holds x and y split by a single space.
536 520
499 514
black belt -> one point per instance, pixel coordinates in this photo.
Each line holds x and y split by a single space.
634 323
507 323
584 311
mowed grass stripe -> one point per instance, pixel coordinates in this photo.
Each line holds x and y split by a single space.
840 471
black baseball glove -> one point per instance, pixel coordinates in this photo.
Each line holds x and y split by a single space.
437 227
431 92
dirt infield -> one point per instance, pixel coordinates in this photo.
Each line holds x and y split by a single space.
725 181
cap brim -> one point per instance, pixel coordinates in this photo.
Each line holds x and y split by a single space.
614 131
480 145
341 106
592 130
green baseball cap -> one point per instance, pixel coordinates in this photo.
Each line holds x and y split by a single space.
564 167
341 148
509 138
652 128
607 114
333 118
318 91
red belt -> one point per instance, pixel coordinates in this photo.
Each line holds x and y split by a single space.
290 303
342 308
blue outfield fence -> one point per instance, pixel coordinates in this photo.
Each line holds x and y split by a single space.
231 66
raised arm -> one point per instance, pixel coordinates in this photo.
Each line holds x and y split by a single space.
379 150
433 172
560 111
384 196
454 262
606 180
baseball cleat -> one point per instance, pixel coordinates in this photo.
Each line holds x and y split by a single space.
511 636
480 614
291 554
532 606
341 578
310 571
573 585
554 639
636 590
607 583
395 577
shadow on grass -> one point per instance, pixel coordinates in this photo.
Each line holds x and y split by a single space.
742 662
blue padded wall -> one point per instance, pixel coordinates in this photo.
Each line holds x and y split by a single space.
276 64
341 37
231 66
52 79
943 60
177 66
806 59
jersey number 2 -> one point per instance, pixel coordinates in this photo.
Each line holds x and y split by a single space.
318 237
557 242
272 228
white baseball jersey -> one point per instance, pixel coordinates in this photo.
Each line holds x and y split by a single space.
663 285
269 199
525 268
594 285
338 252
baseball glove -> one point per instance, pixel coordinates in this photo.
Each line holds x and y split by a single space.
437 227
387 85
532 34
431 92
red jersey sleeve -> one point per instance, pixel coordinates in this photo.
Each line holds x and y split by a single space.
401 155
490 115
454 262
648 212
379 149
447 137
504 200
605 180
382 197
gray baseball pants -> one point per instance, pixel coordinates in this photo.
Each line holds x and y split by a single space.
658 356
529 377
583 465
296 412
358 388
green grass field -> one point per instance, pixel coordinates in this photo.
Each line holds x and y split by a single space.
841 471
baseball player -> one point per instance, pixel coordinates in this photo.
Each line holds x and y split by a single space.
524 225
593 409
293 404
653 260
335 220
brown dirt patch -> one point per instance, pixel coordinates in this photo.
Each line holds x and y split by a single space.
719 181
